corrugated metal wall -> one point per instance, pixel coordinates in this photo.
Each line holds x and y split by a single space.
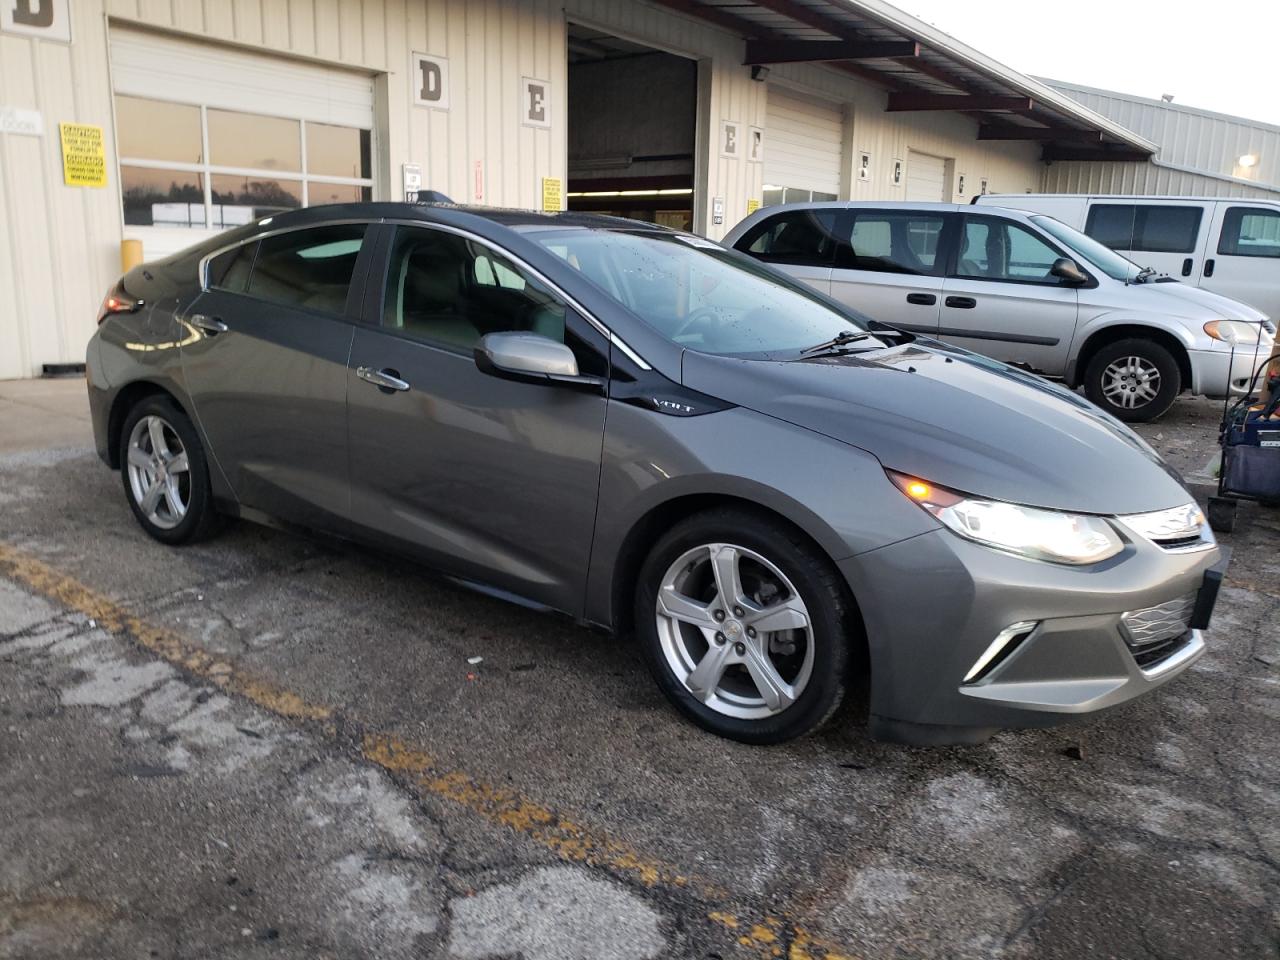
59 244
1199 151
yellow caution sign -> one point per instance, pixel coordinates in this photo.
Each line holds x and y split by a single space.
753 205
552 194
84 158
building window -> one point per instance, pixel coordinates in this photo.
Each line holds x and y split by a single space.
190 165
774 195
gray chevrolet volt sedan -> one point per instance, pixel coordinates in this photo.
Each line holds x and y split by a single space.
778 497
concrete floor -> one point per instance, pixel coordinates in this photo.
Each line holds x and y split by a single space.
267 746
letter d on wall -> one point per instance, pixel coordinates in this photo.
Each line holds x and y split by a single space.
47 19
430 79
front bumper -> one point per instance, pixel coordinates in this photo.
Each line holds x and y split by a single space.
934 604
1217 373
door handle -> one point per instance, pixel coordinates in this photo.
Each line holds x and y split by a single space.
210 325
386 380
1187 265
1208 268
922 299
961 303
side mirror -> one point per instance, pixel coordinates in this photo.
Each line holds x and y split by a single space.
532 358
1065 269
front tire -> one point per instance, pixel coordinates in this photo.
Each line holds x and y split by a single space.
165 474
745 626
1134 380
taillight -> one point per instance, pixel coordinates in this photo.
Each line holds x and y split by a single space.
118 300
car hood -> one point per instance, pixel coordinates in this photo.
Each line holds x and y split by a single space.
957 420
1183 300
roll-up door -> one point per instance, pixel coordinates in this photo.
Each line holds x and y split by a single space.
802 148
926 178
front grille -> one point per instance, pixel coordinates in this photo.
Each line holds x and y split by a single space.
1154 633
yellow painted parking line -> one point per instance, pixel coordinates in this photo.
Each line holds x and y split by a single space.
764 936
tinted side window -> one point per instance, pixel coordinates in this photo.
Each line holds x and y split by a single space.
1153 229
230 270
308 268
1112 224
1250 232
451 291
893 242
800 237
993 249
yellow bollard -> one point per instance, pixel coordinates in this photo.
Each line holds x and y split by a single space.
130 254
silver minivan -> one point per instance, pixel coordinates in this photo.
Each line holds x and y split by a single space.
1227 246
1023 288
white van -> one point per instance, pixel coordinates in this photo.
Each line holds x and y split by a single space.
1231 247
1020 287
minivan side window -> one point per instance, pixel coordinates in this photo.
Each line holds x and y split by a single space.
1146 227
1250 232
310 268
798 237
229 270
996 249
893 242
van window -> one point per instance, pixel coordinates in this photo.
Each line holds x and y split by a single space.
799 237
308 268
995 249
1150 228
893 242
1250 232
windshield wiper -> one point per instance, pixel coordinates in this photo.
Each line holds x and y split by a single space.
841 339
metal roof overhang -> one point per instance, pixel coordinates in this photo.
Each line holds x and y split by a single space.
921 68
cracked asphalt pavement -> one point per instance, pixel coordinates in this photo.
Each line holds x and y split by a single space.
269 746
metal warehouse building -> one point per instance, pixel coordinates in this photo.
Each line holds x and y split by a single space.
164 121
1199 152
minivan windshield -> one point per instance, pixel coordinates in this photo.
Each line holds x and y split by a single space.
1089 249
700 295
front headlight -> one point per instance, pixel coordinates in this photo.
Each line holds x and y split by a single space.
1027 531
1237 331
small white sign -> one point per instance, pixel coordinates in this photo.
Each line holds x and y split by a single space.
46 19
729 139
895 173
17 120
864 166
960 184
717 210
535 102
430 79
412 173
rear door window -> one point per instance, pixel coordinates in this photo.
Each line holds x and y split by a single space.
894 242
1151 228
1250 232
798 237
311 269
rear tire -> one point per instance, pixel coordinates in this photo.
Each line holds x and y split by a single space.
165 473
1135 380
769 665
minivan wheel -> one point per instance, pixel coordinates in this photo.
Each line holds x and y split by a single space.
743 624
166 478
1134 380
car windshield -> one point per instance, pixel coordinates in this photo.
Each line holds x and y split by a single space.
700 295
1090 250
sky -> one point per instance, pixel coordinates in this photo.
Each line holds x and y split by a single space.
1216 56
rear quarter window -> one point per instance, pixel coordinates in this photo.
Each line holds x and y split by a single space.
799 237
310 269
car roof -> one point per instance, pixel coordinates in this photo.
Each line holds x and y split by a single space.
885 205
414 211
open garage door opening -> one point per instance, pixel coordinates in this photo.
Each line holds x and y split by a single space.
632 123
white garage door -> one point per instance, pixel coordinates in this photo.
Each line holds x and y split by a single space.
212 137
926 178
801 148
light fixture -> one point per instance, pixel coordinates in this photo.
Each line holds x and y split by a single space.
1248 160
759 72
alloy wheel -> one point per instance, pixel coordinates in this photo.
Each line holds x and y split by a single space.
159 472
734 630
1130 382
